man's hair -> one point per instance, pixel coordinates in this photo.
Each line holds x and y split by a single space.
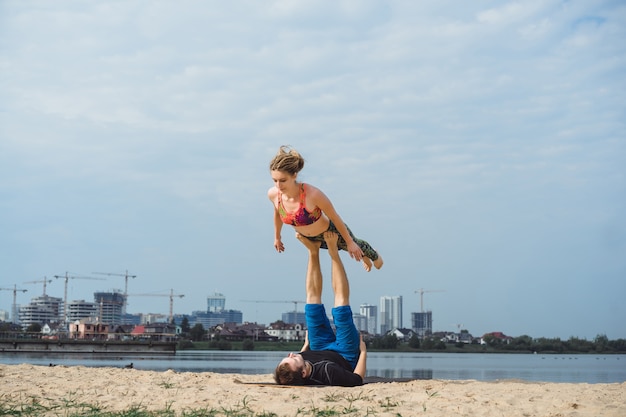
284 375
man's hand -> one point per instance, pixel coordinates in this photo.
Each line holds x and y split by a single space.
305 346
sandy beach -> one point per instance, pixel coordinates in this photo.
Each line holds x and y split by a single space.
63 390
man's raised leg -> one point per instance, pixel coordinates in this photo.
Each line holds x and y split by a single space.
341 287
314 271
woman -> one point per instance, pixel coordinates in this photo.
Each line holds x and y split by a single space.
309 211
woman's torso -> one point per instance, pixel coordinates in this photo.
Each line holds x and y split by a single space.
292 205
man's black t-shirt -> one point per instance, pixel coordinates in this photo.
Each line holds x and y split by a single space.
330 368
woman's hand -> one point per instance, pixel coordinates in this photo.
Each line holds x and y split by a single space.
278 245
355 251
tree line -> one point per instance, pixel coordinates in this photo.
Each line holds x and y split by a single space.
525 343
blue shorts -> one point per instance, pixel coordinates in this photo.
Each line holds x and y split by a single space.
346 341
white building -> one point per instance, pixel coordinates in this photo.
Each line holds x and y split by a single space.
390 313
4 315
41 310
360 321
287 332
371 314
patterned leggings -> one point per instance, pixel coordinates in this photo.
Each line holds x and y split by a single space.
368 251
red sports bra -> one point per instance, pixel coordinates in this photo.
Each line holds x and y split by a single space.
301 217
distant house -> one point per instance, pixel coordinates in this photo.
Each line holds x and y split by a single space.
238 332
451 337
286 331
496 335
157 332
88 329
122 332
402 334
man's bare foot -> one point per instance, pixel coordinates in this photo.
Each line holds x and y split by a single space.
311 245
331 242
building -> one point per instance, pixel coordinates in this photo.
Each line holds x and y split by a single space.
110 307
286 331
422 324
81 309
238 332
216 313
360 322
41 310
153 318
294 317
216 303
402 335
390 313
88 329
212 319
370 312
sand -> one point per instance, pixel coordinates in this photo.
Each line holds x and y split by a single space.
60 390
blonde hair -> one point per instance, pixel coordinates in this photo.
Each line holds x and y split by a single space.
287 160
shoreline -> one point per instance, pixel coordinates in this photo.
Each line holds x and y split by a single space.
116 389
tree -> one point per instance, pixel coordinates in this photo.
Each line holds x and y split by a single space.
34 328
248 344
184 325
197 332
601 342
523 342
388 341
414 342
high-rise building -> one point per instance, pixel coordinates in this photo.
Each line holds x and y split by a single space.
422 323
41 310
210 319
371 314
81 309
360 322
294 317
216 303
390 313
110 307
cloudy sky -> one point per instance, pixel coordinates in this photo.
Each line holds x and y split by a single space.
479 146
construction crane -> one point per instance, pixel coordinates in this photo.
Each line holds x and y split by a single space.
295 305
67 277
45 281
14 306
421 292
171 295
126 276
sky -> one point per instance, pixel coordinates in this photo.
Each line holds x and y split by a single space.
479 146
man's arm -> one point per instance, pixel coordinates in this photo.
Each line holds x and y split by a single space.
361 364
305 346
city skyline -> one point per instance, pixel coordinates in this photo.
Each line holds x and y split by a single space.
388 306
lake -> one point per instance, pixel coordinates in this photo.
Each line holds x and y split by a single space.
588 368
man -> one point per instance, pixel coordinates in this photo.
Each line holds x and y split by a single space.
326 358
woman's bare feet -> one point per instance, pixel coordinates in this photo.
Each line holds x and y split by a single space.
367 263
378 263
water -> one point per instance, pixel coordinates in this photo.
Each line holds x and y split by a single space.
448 366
